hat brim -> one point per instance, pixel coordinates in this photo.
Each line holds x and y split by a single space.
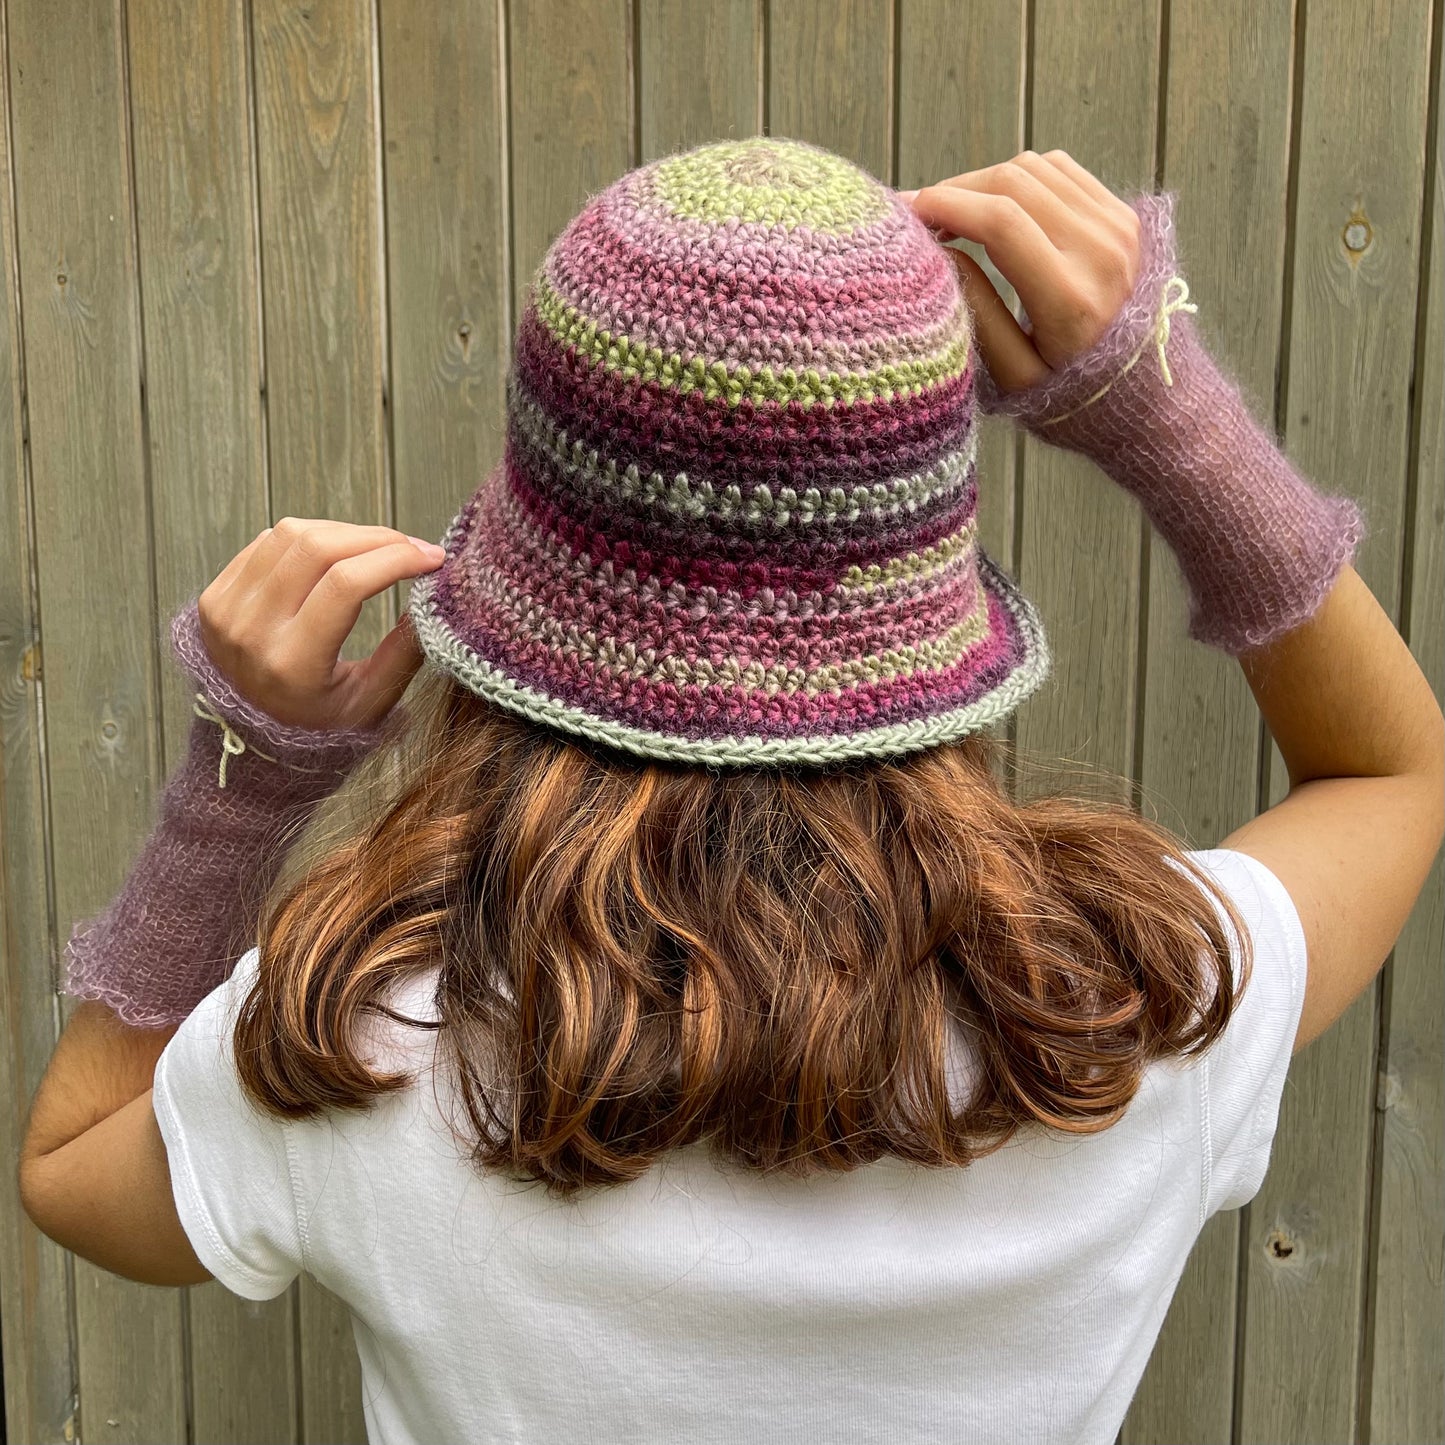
447 650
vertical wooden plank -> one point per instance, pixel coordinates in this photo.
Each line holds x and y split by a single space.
38 1346
195 222
331 1387
1351 347
1094 95
318 164
700 69
443 113
1226 153
78 273
191 127
316 122
1407 1354
830 78
960 108
571 94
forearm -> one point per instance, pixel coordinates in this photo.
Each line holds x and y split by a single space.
1259 546
100 1065
93 1171
1343 697
191 902
189 906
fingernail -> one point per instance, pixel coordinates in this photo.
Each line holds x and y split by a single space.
432 548
908 195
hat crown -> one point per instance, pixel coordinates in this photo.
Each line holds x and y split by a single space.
735 517
768 181
764 270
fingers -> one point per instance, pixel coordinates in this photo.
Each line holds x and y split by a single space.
233 569
318 548
1088 183
383 677
1066 216
290 561
1014 240
330 611
264 553
277 615
1012 359
1060 181
1109 215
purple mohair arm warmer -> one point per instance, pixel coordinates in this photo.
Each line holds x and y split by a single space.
1258 546
191 902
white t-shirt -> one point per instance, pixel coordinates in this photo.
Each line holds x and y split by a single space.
1017 1299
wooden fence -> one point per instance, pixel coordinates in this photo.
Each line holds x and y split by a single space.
265 258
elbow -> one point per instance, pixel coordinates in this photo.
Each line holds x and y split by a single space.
41 1179
37 1191
49 1198
1434 782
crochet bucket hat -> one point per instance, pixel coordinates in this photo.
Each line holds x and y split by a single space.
735 518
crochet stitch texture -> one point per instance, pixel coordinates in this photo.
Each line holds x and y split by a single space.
735 522
192 900
1259 545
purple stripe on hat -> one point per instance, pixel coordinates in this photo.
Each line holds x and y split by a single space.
804 568
606 502
708 308
691 551
716 711
771 627
659 429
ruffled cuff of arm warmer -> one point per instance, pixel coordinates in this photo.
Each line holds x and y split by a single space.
1259 547
1138 335
191 902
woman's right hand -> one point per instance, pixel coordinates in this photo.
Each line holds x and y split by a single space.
276 617
1066 243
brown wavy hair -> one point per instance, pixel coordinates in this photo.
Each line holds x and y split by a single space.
633 956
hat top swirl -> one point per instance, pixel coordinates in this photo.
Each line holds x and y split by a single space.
768 183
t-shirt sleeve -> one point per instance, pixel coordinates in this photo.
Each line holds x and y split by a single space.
1242 1075
228 1159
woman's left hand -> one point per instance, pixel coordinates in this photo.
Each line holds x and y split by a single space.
275 619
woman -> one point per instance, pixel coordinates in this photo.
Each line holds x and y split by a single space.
695 1041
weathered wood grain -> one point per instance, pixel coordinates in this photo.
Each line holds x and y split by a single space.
35 1304
1094 95
1406 1351
444 103
571 103
960 107
830 78
318 158
78 277
195 223
322 326
1226 154
1346 421
700 73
